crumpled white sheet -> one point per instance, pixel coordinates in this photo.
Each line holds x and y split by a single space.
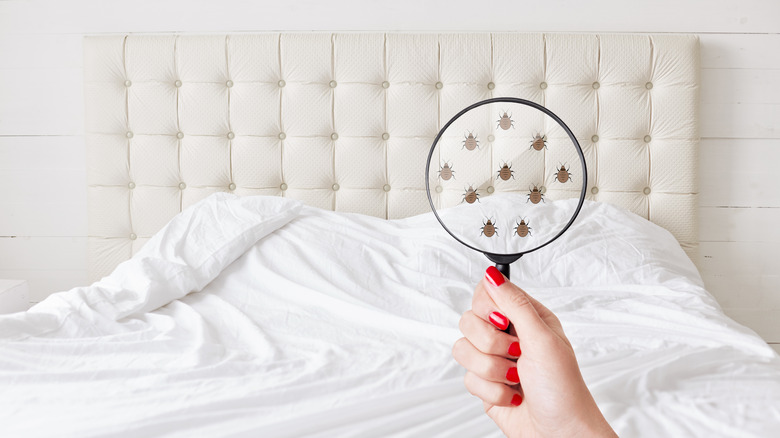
256 316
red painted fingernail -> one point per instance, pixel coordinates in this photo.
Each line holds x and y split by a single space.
494 276
517 399
514 349
499 320
512 376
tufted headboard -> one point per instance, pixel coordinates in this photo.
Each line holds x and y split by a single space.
345 121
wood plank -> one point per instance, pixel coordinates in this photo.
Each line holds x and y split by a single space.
41 51
43 253
43 283
43 186
41 101
725 224
739 173
740 50
764 322
81 16
740 120
739 86
743 258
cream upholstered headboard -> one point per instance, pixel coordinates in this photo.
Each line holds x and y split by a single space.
345 121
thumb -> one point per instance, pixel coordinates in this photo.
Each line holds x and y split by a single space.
515 303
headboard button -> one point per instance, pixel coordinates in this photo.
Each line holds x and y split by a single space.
230 135
649 85
131 185
334 136
281 83
491 86
543 189
335 187
491 138
177 84
182 186
229 84
232 186
385 136
595 138
439 85
491 189
282 136
129 134
596 85
283 187
128 83
439 189
646 190
594 190
648 138
333 84
385 84
133 236
543 85
179 135
386 187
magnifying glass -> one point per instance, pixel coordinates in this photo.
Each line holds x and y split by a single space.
506 177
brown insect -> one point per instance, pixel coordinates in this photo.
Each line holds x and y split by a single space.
563 174
470 142
505 172
470 195
505 122
539 142
523 229
488 229
446 172
534 195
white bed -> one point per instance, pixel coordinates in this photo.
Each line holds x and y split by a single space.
259 312
336 324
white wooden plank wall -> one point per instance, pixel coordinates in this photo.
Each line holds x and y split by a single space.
43 220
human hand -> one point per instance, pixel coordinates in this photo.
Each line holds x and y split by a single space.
528 379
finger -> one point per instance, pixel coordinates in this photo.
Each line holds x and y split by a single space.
491 393
488 367
483 306
486 338
517 305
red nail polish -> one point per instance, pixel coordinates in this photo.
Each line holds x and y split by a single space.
499 320
516 400
514 349
512 376
494 276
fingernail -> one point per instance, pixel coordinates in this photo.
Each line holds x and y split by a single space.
494 276
517 399
512 376
499 320
514 349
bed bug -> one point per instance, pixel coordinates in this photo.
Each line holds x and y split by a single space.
505 172
488 229
563 174
534 195
470 142
470 195
522 228
446 172
505 122
539 142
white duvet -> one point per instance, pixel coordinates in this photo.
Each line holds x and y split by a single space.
259 317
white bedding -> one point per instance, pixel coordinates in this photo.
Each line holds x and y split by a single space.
258 317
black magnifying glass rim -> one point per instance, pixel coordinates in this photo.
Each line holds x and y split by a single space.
515 256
